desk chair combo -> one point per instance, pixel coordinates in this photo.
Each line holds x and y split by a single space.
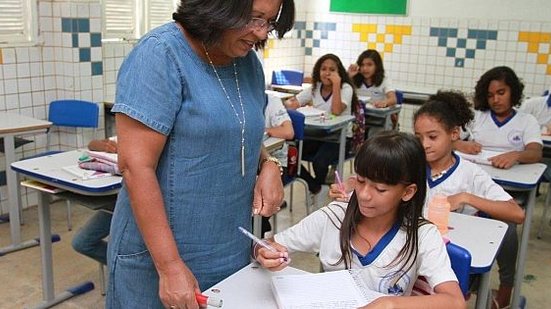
297 120
73 114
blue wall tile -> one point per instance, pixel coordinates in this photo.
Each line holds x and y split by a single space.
459 62
75 39
83 25
469 53
442 41
480 44
95 39
97 68
316 43
308 51
450 52
66 25
461 43
84 54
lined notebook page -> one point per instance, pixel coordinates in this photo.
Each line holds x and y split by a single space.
480 158
334 289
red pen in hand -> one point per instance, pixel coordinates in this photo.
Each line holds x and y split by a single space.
204 300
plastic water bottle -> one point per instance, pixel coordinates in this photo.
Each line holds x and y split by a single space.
439 212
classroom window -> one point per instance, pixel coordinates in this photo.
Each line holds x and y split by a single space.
18 20
130 19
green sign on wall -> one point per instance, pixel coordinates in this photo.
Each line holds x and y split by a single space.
394 7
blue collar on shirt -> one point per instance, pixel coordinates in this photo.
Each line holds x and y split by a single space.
449 172
379 247
548 101
327 97
504 122
366 85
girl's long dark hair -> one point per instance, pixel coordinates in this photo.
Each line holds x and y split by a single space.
392 158
379 75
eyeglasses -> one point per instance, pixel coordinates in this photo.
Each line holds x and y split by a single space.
260 23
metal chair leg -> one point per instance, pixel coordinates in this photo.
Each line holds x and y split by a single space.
544 214
102 278
69 221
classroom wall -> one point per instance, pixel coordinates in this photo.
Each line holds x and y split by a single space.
440 44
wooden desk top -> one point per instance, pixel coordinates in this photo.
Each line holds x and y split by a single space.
16 123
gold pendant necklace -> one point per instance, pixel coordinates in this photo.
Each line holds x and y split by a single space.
241 121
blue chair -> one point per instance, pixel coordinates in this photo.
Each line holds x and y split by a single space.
460 260
297 120
69 113
287 77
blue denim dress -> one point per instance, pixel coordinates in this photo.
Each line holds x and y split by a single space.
166 86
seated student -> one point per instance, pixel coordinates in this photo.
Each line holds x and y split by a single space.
277 124
497 126
331 92
90 239
540 107
381 231
368 76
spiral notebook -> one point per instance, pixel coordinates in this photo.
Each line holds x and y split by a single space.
342 289
480 158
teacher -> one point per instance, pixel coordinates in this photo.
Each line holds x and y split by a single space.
189 103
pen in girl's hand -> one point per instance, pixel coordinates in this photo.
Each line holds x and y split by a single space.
339 182
258 241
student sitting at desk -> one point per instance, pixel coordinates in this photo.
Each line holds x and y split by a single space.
381 230
331 92
90 239
497 126
278 124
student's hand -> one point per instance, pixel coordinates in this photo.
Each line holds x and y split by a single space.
103 145
505 160
292 103
457 200
268 190
336 192
177 286
335 79
380 104
272 261
353 69
470 147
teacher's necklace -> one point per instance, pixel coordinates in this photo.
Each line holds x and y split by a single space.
241 121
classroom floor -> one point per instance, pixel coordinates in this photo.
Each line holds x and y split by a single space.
21 276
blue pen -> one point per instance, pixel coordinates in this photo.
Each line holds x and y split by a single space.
260 242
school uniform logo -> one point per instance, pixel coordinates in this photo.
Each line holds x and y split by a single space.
515 138
394 283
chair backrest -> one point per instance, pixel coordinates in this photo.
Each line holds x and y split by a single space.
287 77
399 97
460 259
297 119
74 113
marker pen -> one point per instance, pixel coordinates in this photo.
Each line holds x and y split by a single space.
204 300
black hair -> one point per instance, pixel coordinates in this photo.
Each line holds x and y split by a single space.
390 157
207 20
450 108
501 73
342 73
379 75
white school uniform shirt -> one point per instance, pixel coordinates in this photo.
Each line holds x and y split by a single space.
376 93
275 114
465 176
314 95
319 232
512 135
538 107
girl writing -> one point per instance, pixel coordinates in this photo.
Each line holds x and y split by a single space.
380 231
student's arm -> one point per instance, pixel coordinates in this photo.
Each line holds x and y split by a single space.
508 211
106 145
532 153
285 130
139 150
447 295
337 105
470 147
353 70
390 100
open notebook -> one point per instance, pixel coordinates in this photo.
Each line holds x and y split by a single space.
342 289
480 158
310 111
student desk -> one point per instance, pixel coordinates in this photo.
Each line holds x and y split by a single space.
520 177
482 237
273 143
378 118
12 124
330 125
48 169
278 94
249 288
415 94
292 89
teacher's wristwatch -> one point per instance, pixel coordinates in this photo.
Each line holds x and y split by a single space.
271 159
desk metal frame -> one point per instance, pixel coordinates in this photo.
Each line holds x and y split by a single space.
11 125
48 169
520 177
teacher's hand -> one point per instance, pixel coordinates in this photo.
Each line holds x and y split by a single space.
268 191
177 286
